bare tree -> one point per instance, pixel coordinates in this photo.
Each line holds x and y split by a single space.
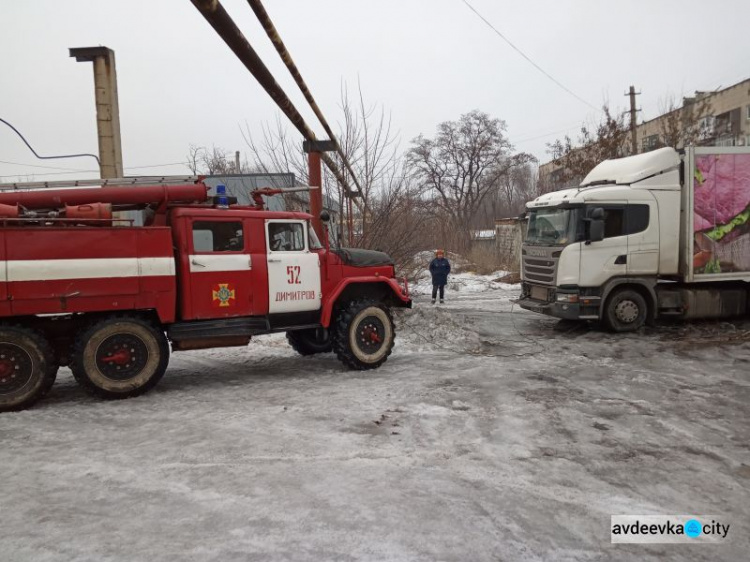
276 151
390 214
213 162
516 187
682 126
608 139
462 167
372 147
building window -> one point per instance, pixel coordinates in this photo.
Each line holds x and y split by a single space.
725 141
650 143
707 126
747 112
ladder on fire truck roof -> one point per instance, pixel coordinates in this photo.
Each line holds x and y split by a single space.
119 182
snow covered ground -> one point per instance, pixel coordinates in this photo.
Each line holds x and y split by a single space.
490 434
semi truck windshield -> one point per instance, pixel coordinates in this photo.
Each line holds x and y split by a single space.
549 227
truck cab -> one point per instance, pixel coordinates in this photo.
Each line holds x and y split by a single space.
622 248
236 263
269 266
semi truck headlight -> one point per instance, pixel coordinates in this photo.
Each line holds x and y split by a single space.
566 297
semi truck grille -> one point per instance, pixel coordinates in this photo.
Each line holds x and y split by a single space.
539 269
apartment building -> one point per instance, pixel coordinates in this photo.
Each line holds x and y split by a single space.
719 118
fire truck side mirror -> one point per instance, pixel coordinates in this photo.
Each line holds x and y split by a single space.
325 217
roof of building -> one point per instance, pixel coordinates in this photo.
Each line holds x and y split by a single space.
241 185
508 220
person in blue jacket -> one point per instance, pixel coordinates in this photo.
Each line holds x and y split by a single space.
440 267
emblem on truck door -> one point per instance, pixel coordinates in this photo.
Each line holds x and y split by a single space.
223 295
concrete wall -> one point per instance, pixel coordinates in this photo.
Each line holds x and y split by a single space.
509 235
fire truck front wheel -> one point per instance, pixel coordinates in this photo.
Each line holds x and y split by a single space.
364 334
120 358
27 368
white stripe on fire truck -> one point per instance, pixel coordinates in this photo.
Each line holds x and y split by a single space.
90 268
204 263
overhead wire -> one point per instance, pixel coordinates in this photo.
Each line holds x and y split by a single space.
528 58
67 171
40 166
34 152
34 174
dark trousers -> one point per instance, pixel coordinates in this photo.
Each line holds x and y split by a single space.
435 291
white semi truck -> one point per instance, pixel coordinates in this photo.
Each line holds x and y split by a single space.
660 234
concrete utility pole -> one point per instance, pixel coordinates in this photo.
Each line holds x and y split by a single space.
633 111
107 107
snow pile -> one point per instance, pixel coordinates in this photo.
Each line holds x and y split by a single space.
462 279
461 283
427 327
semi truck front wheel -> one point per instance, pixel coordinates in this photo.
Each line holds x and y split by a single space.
120 358
626 311
364 334
27 368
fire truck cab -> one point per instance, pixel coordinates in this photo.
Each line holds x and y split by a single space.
110 301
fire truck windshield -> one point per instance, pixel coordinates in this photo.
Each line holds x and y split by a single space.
313 236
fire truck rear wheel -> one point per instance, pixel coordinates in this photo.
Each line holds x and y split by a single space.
27 368
308 342
364 334
120 358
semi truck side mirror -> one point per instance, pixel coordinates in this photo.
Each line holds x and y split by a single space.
596 230
325 218
595 220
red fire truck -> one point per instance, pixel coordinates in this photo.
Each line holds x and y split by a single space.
83 288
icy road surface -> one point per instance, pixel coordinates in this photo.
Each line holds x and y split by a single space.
486 436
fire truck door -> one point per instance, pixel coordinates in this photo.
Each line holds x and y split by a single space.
220 270
293 270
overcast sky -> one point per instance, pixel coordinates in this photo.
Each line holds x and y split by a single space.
424 61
